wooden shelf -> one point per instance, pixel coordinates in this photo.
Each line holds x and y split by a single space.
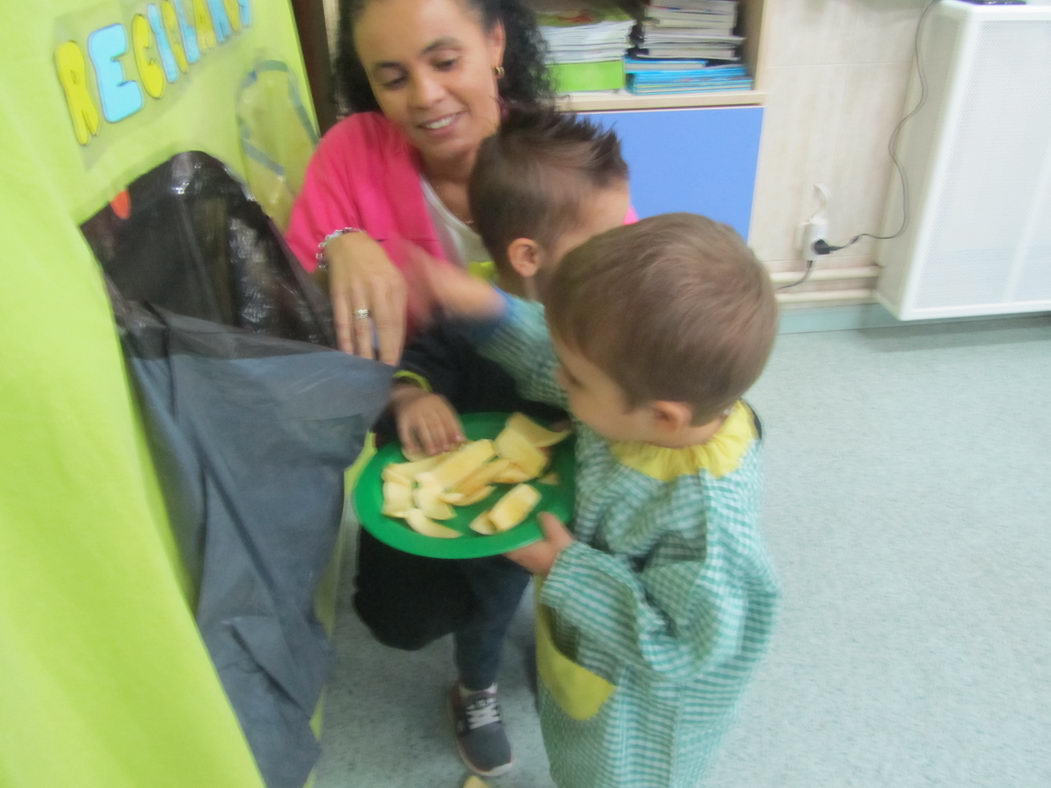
621 100
751 21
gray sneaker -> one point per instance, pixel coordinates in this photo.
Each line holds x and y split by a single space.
480 735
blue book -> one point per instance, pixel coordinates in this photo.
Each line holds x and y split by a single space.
700 75
688 86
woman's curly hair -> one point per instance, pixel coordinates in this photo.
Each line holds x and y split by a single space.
525 80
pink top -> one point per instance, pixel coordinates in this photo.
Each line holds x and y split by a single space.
364 174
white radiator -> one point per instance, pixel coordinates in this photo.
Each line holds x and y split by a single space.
978 161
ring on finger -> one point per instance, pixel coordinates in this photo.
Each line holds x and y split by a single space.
362 314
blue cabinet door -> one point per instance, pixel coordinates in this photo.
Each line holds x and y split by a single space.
698 160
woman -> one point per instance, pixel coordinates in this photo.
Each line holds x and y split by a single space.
427 80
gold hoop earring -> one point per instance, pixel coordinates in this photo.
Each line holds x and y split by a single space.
499 71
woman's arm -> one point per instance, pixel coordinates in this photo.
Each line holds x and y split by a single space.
360 274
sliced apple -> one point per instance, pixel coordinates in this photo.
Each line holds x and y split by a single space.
483 525
421 524
397 498
514 507
393 474
550 479
406 471
483 476
515 447
513 475
537 435
448 473
476 496
428 500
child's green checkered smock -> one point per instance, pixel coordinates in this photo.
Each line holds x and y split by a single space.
664 603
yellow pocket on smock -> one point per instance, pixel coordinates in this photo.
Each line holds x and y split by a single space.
578 692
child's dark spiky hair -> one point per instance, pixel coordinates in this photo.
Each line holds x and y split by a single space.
531 178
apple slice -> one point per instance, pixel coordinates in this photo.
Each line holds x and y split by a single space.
458 466
476 496
483 476
512 475
420 523
537 435
406 472
483 525
514 507
397 499
515 447
428 500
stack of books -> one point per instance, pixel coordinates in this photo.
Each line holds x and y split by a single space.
586 42
684 76
691 29
688 47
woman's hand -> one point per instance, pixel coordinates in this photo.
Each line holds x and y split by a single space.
426 422
362 277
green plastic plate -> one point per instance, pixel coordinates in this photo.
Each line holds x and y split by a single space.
557 499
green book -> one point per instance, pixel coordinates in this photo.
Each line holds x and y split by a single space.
574 77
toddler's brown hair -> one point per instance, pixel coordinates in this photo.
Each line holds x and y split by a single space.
675 307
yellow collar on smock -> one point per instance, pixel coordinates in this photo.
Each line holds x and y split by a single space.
719 455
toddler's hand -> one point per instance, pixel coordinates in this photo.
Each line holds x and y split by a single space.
451 288
539 557
426 422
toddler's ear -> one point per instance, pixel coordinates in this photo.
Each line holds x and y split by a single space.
525 256
671 417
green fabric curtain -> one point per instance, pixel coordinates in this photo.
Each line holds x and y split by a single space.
103 678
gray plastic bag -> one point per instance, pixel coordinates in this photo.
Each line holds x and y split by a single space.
250 431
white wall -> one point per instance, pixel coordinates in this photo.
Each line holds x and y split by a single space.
835 76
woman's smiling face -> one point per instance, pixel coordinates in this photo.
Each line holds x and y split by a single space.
431 67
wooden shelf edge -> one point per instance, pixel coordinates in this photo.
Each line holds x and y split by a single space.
612 101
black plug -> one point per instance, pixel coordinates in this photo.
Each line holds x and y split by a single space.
821 246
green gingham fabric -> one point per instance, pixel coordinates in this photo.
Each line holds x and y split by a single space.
668 593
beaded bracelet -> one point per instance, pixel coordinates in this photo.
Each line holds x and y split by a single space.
322 264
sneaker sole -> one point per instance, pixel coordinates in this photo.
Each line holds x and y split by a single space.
497 772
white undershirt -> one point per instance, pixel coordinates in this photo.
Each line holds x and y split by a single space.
461 244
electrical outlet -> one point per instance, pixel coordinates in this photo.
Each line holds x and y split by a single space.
815 228
811 232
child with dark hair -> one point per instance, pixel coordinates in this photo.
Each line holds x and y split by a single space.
542 185
655 609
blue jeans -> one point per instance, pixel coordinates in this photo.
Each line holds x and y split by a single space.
408 601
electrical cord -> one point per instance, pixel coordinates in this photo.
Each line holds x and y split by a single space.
806 272
823 247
